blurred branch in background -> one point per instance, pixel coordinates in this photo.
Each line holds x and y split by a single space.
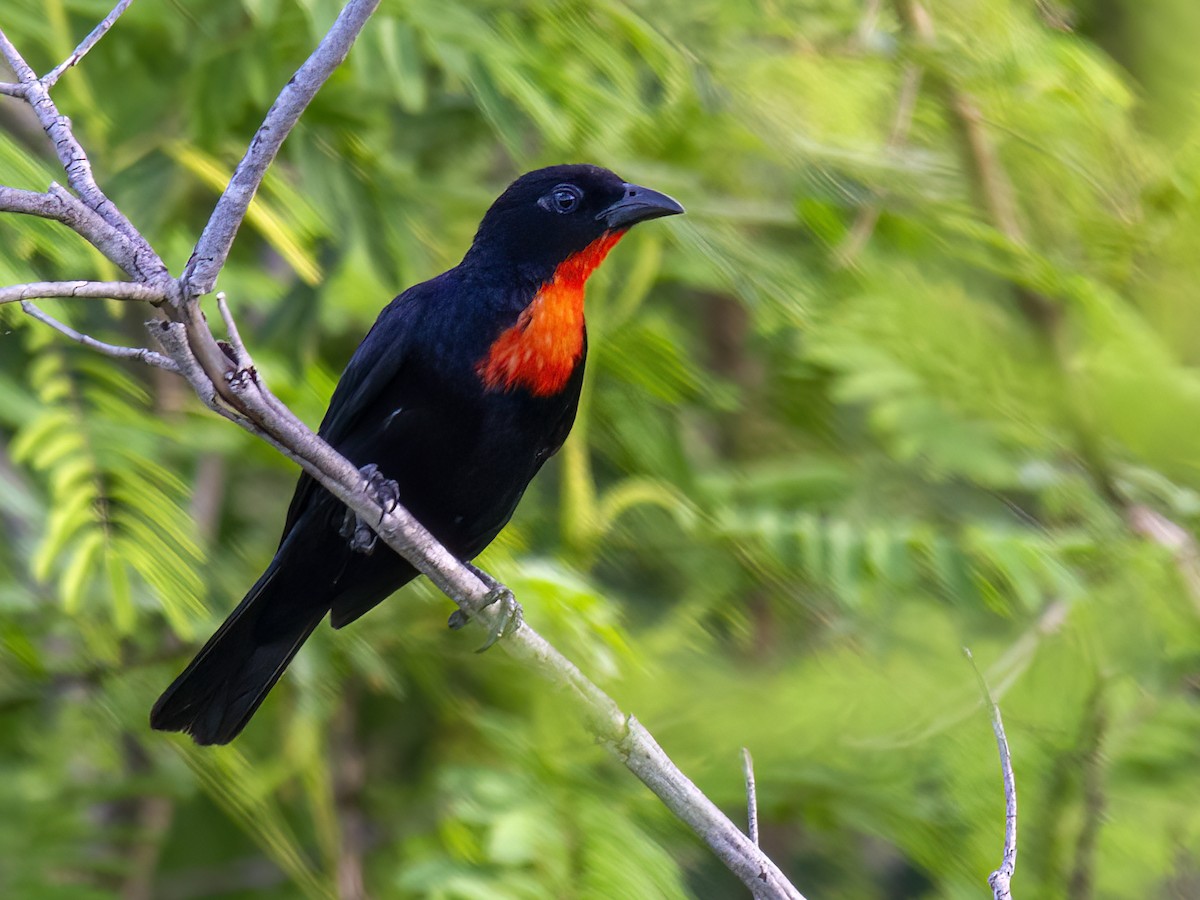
995 191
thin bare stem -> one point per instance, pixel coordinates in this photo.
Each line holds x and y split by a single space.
75 162
212 249
751 796
111 290
1000 879
141 354
15 61
51 78
59 205
231 329
12 90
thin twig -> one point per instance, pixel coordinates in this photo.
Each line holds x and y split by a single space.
16 62
172 337
75 161
109 290
149 357
60 205
12 90
231 330
1001 878
751 796
212 249
51 78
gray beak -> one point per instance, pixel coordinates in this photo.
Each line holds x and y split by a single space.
638 205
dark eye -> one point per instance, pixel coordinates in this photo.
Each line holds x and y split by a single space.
563 199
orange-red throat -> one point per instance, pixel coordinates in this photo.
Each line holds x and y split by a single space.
541 350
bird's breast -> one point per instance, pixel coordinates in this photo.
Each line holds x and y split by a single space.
540 351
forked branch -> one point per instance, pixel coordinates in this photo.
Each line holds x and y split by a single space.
227 381
200 275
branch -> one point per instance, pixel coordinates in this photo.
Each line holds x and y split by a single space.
51 77
149 357
751 796
75 162
59 205
621 733
110 290
1000 879
226 380
200 275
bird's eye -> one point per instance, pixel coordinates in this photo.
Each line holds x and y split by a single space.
563 199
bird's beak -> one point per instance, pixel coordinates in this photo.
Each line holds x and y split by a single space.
638 205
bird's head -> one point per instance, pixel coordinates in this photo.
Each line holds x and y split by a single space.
551 228
550 215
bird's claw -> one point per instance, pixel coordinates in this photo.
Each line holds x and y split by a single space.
508 620
386 492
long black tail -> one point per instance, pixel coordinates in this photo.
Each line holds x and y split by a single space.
215 696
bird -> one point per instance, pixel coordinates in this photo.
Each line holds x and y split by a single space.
462 389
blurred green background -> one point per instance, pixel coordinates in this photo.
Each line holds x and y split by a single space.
904 379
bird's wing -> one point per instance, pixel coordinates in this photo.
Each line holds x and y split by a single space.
374 365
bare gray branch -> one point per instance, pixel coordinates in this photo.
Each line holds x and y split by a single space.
51 78
261 414
1001 879
235 338
60 205
141 354
751 796
212 249
75 162
111 290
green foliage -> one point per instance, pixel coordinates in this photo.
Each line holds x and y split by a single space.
796 488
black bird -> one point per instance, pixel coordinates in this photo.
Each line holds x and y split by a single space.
465 385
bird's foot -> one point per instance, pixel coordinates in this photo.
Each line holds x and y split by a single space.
510 615
358 534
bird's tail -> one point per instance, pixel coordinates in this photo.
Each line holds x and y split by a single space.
215 696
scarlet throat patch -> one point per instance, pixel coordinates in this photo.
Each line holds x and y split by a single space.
541 350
